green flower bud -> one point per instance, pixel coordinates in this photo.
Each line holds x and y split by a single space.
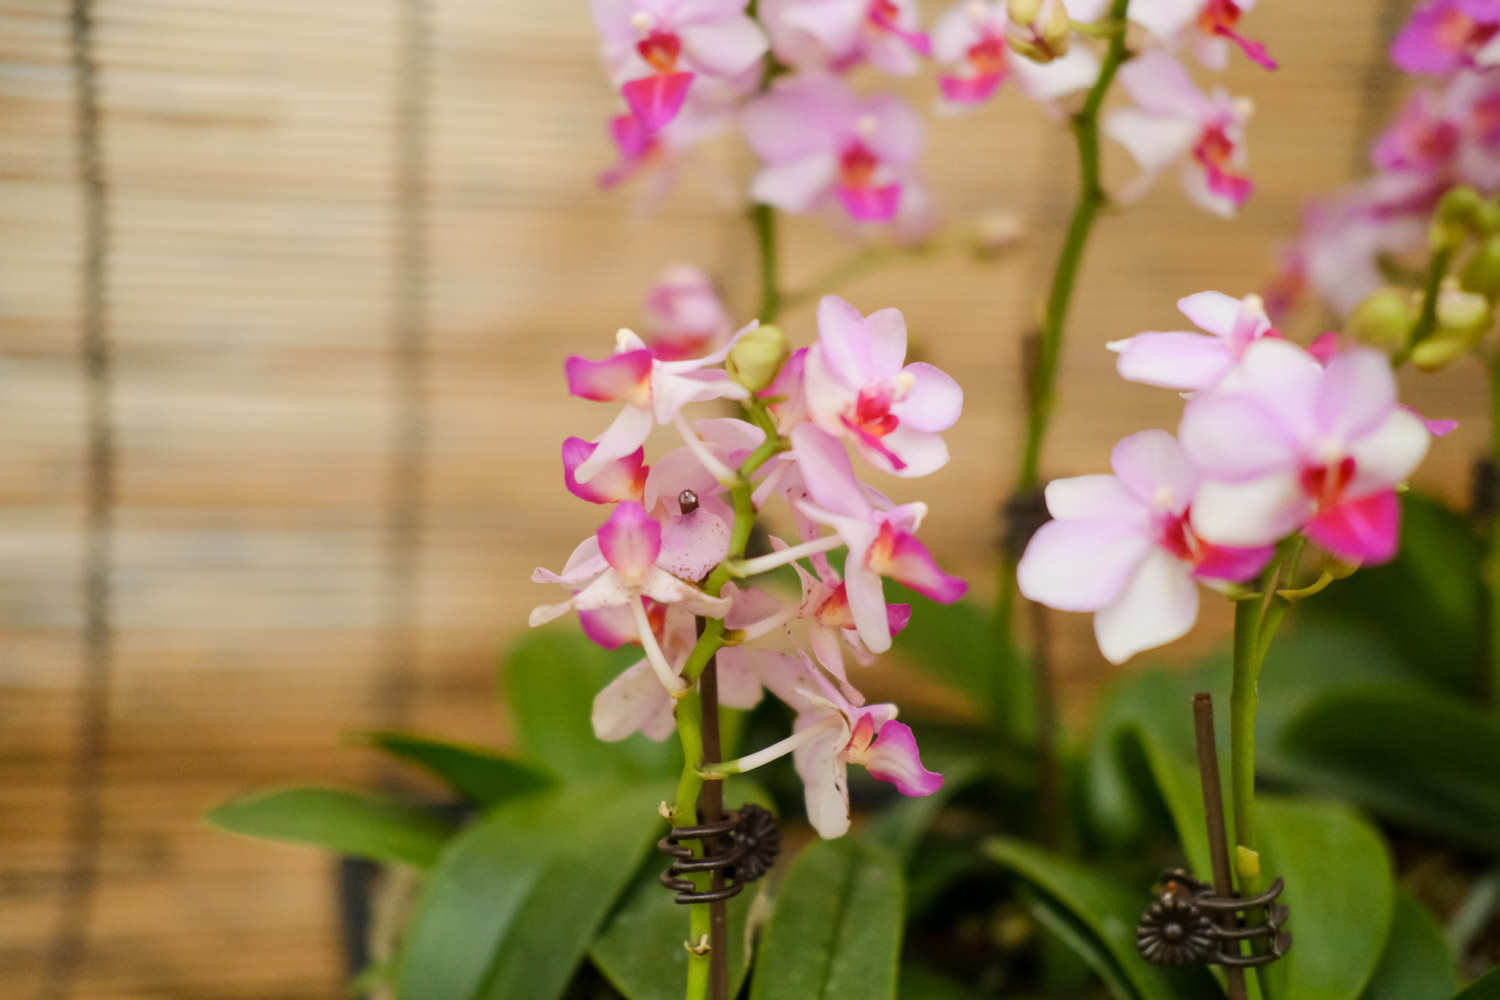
1482 273
1486 218
1461 313
1439 350
757 358
1040 30
1383 320
1455 217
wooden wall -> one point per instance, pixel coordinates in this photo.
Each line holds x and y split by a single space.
343 249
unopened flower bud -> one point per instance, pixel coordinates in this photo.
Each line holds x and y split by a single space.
1482 273
1460 312
1040 30
1383 320
758 356
1455 217
1440 350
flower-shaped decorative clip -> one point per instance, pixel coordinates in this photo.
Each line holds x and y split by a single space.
1188 925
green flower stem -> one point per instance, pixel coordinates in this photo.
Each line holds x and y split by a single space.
1437 270
690 704
763 219
1042 379
1255 624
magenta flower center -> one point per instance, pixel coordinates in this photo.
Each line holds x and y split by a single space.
1485 117
882 14
1458 32
1213 152
859 740
834 611
1178 538
660 49
1326 483
857 165
988 56
871 412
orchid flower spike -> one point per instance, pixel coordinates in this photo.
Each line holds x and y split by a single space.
655 48
1288 444
653 391
821 144
1123 547
838 35
1173 121
969 40
857 387
1193 361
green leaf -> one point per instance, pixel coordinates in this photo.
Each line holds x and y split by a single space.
515 899
920 982
1101 917
1081 944
901 825
1415 756
551 677
1152 701
1485 988
958 644
1426 602
640 950
1416 964
836 928
1340 890
482 776
346 822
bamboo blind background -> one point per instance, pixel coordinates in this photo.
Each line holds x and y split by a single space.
284 294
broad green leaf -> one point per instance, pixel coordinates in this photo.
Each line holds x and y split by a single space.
1103 912
1426 602
482 776
1416 964
551 677
958 644
835 931
1487 987
1340 890
346 822
1151 701
1415 756
1181 791
639 949
1081 944
901 825
516 898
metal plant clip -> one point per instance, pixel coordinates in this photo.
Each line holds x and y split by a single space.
744 846
1191 923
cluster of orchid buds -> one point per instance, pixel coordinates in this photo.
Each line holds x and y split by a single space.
1446 134
1278 445
670 554
780 73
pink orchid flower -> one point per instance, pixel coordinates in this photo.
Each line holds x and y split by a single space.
969 40
654 49
838 35
1444 36
1174 121
618 566
635 701
821 143
685 315
658 156
652 390
881 541
1289 444
688 499
830 733
1209 26
1123 546
620 479
856 387
1192 361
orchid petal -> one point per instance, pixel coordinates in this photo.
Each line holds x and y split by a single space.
1158 605
894 759
655 100
934 401
630 540
619 378
1360 531
1253 512
621 479
1172 360
626 434
1081 565
1389 454
1096 497
634 702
